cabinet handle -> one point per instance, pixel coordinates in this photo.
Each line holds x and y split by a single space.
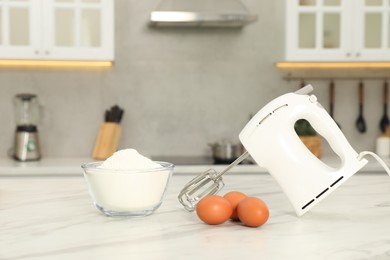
348 54
358 54
36 52
47 52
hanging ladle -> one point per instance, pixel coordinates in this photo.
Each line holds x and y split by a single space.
385 120
331 100
360 122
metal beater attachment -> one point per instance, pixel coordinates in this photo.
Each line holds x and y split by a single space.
206 183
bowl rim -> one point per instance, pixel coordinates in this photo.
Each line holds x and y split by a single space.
94 165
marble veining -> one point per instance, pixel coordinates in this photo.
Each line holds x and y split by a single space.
53 218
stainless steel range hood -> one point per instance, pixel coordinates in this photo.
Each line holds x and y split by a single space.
201 13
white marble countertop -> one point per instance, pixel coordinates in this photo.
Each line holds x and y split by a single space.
71 167
54 218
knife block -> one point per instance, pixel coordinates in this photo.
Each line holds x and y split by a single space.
107 140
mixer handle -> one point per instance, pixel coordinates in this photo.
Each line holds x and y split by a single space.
324 124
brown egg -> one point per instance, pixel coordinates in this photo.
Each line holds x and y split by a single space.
214 209
253 212
234 197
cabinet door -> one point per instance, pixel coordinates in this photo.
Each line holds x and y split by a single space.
78 29
372 30
19 29
316 30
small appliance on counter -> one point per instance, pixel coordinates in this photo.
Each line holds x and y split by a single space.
270 138
26 145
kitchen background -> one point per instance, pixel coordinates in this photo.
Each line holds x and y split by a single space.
181 88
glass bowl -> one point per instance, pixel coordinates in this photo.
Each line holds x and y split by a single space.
127 193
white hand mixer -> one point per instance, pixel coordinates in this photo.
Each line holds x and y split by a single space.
269 137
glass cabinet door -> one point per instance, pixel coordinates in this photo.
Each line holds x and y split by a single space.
316 29
19 29
319 27
57 29
373 39
79 29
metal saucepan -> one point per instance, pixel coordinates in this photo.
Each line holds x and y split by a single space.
226 152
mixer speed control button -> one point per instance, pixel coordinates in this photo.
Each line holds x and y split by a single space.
313 99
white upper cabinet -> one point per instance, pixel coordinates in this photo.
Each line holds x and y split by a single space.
57 29
338 30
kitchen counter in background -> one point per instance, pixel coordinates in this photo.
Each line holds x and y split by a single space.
72 166
184 165
53 218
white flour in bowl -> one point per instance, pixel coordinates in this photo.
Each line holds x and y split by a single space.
128 159
128 183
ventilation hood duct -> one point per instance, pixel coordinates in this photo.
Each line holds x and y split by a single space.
201 13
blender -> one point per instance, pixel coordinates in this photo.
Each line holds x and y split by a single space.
26 147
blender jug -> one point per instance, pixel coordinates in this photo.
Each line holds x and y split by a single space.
26 147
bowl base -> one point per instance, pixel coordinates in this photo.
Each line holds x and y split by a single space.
128 214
